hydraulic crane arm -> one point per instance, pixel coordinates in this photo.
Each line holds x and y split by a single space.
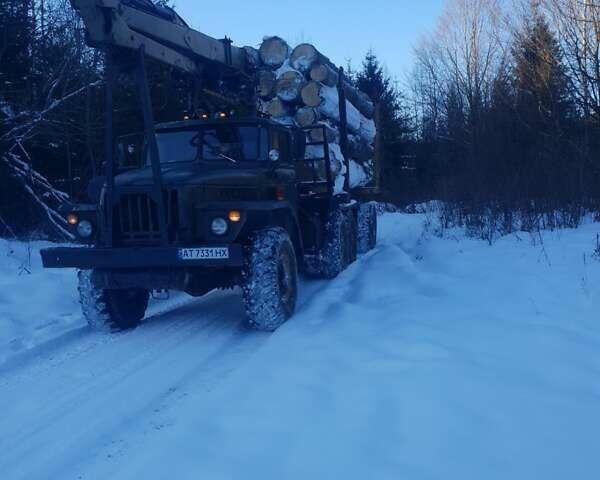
164 36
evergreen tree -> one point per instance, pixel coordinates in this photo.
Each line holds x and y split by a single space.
545 110
392 120
16 43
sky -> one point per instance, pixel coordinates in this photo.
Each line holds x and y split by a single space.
342 30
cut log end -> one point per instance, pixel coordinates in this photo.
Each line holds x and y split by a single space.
274 51
276 108
304 56
311 94
306 116
266 82
289 86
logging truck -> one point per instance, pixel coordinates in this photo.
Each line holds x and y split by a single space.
214 199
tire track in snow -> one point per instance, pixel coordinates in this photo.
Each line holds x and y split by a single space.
81 390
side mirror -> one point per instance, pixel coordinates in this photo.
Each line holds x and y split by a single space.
274 155
128 156
129 152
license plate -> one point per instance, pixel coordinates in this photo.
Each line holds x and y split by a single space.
188 254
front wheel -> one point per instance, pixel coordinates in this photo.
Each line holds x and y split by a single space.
115 309
270 277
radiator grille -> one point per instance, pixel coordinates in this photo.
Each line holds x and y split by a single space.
135 218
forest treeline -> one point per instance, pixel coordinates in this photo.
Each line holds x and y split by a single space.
506 102
499 119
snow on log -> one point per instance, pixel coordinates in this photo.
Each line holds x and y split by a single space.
289 86
266 82
368 130
307 116
360 150
360 100
274 51
335 158
360 175
324 74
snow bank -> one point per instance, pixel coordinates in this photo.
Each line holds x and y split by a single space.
36 305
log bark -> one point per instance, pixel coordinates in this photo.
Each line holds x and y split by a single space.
289 86
306 116
324 74
360 150
266 82
274 51
326 100
360 100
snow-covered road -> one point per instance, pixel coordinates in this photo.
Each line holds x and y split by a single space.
427 359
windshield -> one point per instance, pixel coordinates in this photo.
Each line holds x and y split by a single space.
239 143
213 143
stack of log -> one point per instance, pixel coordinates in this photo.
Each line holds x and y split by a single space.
300 86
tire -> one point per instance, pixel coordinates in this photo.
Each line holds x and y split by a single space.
336 253
270 280
114 309
367 228
353 237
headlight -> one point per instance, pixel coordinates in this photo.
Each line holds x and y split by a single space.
85 229
219 226
72 219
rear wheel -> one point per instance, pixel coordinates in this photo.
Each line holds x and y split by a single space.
115 309
338 251
270 280
367 228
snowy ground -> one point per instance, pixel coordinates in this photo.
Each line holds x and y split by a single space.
427 359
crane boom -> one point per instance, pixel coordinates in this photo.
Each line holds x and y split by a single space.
163 35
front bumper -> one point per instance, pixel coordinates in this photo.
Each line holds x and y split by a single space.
135 257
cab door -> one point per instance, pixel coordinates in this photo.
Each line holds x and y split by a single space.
285 170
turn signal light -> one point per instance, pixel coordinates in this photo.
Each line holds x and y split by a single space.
72 219
235 216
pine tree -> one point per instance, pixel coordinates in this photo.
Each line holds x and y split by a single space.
393 124
16 43
545 110
543 96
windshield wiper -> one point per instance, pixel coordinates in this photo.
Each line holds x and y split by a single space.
214 151
232 160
